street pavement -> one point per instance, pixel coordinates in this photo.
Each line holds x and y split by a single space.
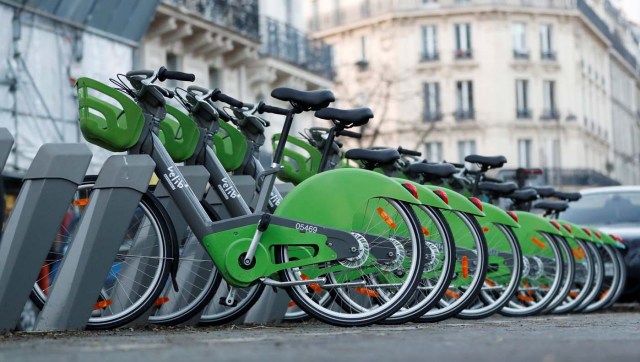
610 336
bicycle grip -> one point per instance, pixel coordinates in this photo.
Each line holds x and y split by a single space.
409 152
217 95
264 108
164 74
351 134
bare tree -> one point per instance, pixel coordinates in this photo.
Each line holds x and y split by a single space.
381 90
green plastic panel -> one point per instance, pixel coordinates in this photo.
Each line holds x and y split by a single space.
102 123
179 134
231 146
297 166
457 201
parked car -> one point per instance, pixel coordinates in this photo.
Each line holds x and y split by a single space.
614 210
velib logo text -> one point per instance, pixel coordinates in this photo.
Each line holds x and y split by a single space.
174 179
274 199
228 190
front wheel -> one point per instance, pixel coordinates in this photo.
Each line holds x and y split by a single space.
365 290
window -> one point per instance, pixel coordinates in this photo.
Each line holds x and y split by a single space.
549 110
466 148
172 64
434 151
365 8
363 63
519 33
463 41
464 100
315 14
429 43
431 102
522 99
546 43
214 78
524 153
336 15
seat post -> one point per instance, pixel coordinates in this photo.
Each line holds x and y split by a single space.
327 148
277 155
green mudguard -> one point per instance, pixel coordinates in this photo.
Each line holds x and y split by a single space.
457 201
425 195
496 215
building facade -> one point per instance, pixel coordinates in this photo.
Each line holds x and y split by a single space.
551 84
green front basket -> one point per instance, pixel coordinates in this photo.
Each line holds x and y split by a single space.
179 134
231 146
104 124
297 166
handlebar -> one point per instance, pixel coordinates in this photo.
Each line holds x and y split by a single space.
356 135
403 151
265 108
164 74
217 95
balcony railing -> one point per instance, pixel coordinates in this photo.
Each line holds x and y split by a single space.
240 16
429 57
463 53
428 117
374 8
464 115
550 115
523 113
283 41
548 55
520 54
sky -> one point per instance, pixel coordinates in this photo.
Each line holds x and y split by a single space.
631 8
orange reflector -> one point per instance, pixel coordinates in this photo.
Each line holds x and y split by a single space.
315 287
386 218
425 231
573 294
292 304
160 301
465 267
525 298
452 294
528 286
539 242
577 253
81 202
102 304
581 251
604 294
368 292
489 282
485 229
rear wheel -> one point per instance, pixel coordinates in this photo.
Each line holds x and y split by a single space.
582 280
366 289
503 276
541 275
470 267
612 277
139 270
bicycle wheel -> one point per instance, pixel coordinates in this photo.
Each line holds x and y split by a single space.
582 280
598 277
541 275
618 289
366 290
611 279
504 272
197 279
229 304
470 267
139 270
568 272
438 269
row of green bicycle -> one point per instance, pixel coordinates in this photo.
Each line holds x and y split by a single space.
360 237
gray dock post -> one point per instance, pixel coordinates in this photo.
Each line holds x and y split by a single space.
6 142
117 192
47 192
197 177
